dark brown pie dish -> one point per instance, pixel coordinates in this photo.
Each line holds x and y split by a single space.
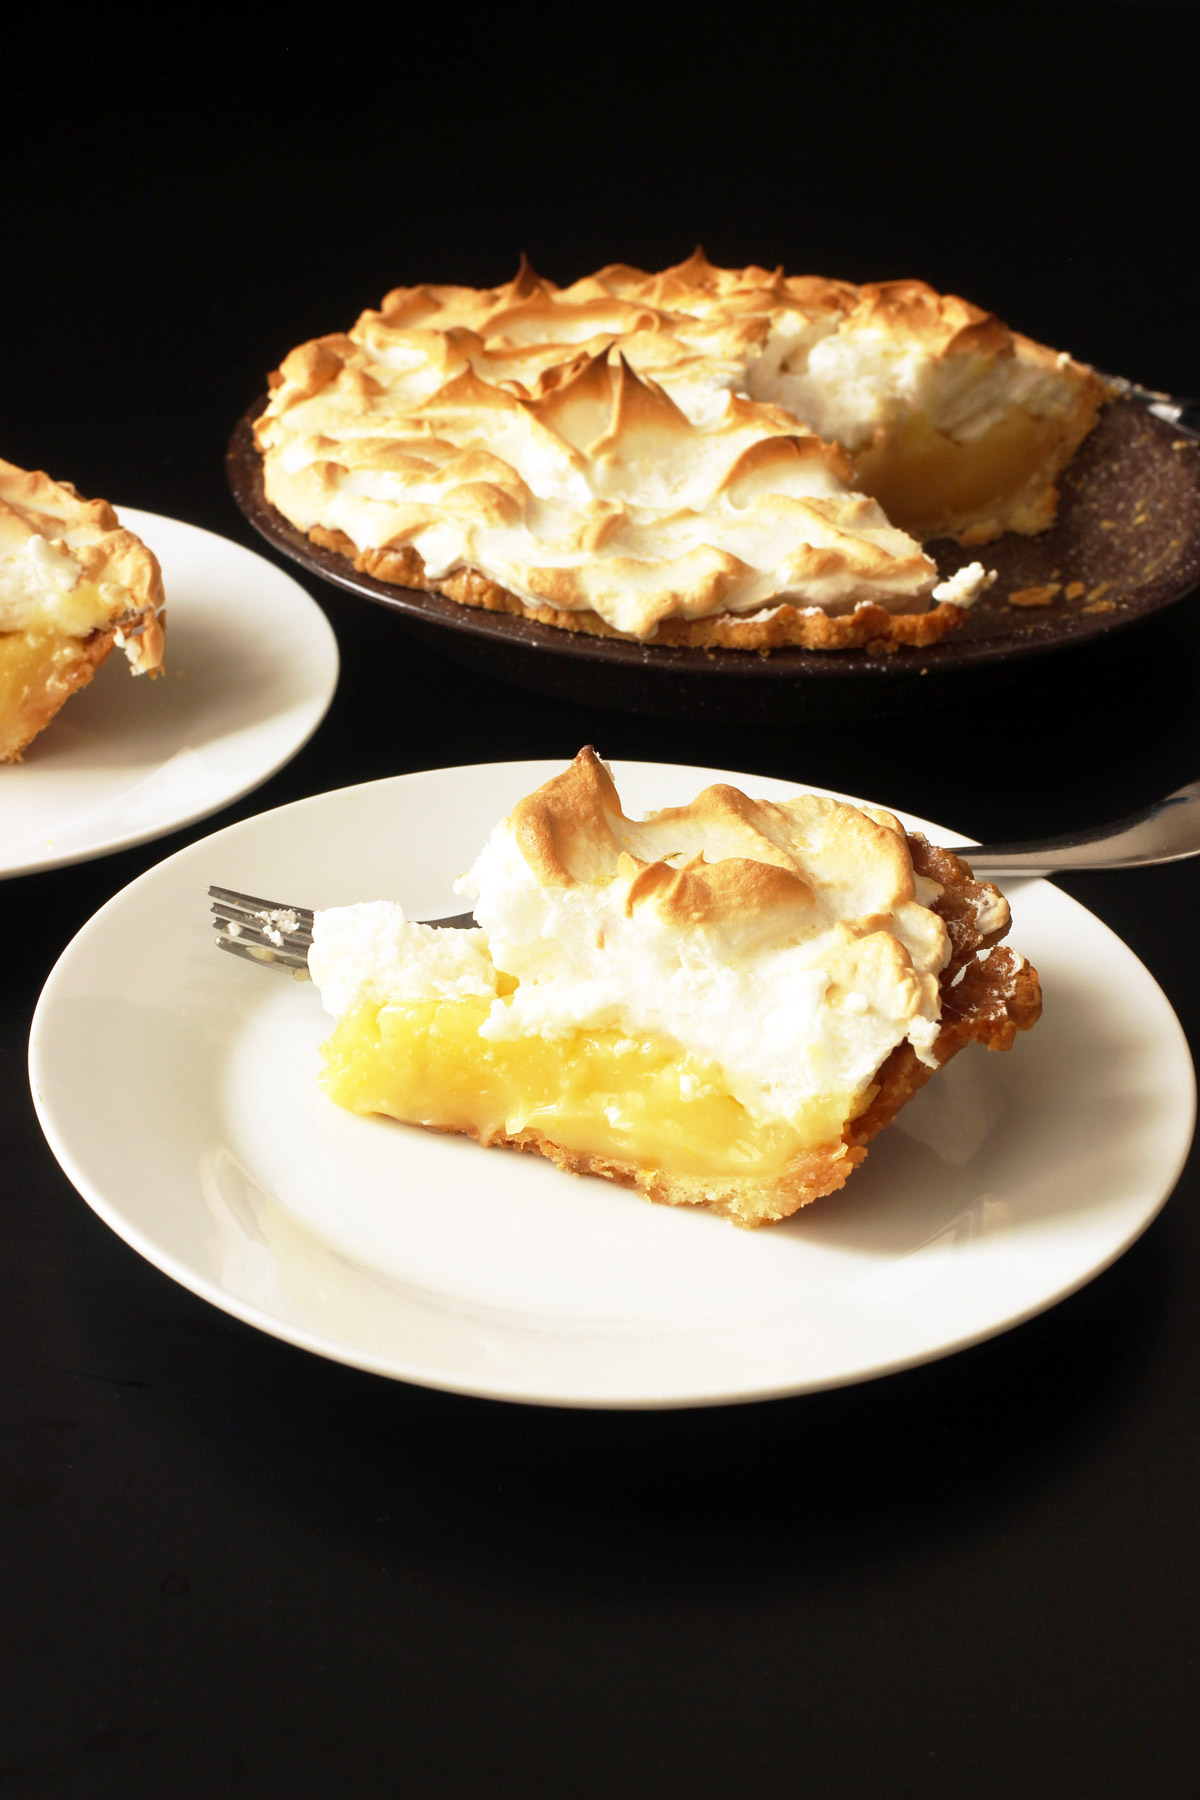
1125 544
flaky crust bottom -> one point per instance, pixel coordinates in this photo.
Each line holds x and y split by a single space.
1002 996
1035 507
986 999
868 627
35 710
747 1200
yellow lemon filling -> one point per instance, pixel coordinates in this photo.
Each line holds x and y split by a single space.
921 477
38 669
645 1100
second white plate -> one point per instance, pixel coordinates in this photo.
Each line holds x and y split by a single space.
251 668
1006 1183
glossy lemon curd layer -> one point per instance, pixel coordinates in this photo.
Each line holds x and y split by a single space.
36 669
50 639
919 475
644 1099
26 661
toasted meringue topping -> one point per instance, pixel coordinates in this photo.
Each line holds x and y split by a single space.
965 586
371 955
67 565
598 494
785 942
647 447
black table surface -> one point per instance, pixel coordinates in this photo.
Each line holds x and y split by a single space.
231 1568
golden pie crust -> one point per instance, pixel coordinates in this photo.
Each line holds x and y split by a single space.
802 628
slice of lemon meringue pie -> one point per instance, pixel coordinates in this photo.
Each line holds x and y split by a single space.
73 586
717 1005
703 456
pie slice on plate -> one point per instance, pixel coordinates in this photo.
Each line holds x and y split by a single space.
74 585
717 1005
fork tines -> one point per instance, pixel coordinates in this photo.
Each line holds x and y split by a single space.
265 931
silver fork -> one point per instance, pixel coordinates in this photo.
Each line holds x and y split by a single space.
271 931
1184 415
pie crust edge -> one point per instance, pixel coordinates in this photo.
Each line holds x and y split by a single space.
869 626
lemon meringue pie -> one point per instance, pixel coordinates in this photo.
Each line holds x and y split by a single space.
717 1005
73 586
702 456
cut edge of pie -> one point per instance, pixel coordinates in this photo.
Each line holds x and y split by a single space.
634 1104
784 625
999 996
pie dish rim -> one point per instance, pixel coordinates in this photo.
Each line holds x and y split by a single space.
1025 634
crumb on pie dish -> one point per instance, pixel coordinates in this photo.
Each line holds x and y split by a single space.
74 585
716 457
718 1005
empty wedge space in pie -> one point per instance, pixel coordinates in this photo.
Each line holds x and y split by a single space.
717 1005
705 456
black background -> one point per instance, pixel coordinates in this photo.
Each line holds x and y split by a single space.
232 1569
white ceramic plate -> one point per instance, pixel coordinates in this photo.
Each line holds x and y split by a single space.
1006 1183
251 668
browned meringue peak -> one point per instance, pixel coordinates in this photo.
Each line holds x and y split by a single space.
888 356
944 324
667 326
721 859
619 300
594 493
569 885
696 310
